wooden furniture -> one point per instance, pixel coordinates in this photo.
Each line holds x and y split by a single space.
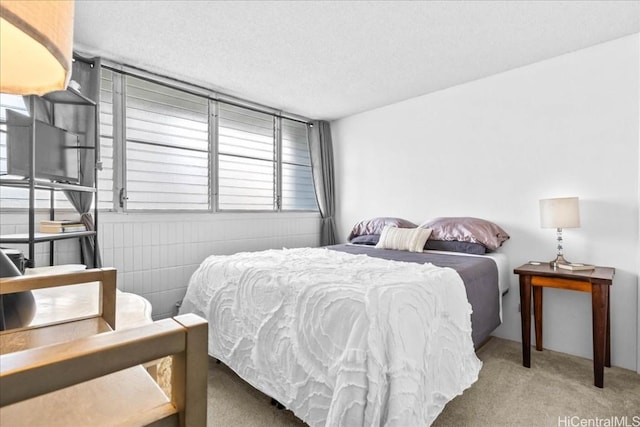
81 372
597 282
55 305
82 300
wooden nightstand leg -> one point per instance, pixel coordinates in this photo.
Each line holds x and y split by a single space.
525 313
607 354
599 302
537 315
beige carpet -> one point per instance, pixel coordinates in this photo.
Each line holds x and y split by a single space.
506 394
556 386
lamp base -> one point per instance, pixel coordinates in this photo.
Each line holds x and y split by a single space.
559 260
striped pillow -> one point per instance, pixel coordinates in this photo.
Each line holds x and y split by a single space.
403 239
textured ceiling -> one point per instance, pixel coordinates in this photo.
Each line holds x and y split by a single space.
327 60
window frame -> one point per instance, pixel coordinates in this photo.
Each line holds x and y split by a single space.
214 99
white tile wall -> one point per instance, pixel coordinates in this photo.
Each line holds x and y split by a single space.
155 254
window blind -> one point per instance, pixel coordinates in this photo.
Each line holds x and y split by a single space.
246 159
8 102
105 176
297 181
167 147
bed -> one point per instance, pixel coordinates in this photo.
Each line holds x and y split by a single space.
351 335
480 274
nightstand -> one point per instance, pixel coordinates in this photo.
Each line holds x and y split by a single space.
597 282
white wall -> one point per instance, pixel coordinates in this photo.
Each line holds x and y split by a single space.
638 313
155 254
492 148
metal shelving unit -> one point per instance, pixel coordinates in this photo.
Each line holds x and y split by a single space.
43 237
70 96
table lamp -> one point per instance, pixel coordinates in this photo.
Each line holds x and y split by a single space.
559 213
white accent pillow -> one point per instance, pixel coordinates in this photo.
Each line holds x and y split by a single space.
403 239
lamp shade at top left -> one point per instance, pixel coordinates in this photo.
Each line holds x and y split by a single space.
36 46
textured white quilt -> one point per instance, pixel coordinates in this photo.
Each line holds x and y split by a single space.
339 339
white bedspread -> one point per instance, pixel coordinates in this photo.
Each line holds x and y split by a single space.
339 339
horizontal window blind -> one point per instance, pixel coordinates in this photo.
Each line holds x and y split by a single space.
297 181
19 197
8 102
105 176
246 159
167 148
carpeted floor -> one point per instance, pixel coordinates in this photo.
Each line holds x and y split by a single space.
556 388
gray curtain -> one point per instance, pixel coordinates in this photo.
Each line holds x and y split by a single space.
321 152
80 121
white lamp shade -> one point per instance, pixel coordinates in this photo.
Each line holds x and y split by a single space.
559 213
36 46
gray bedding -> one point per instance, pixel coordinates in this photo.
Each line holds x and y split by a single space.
480 277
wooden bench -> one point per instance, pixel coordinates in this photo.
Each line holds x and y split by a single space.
82 372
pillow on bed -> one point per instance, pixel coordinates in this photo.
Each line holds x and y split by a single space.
367 239
467 229
375 226
403 239
455 246
434 245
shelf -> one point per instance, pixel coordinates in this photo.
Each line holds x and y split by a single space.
45 185
43 237
73 102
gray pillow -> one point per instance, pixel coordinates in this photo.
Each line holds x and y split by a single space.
467 229
367 239
376 225
455 246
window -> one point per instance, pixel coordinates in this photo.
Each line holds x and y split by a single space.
167 147
11 197
297 182
8 102
246 159
253 173
105 176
